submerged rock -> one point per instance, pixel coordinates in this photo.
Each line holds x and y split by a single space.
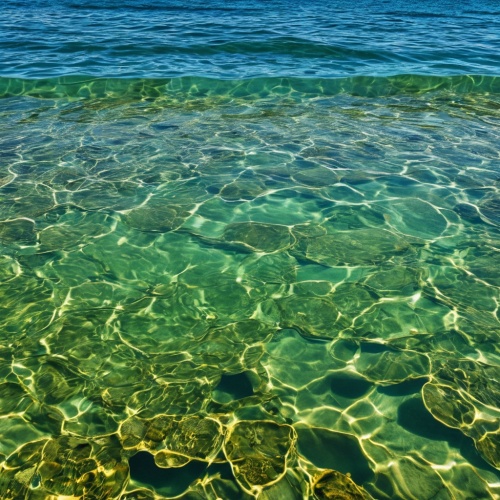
385 365
258 237
259 451
415 217
65 466
468 212
316 177
464 394
333 485
352 248
18 231
173 440
157 216
395 281
270 268
490 208
242 190
315 317
72 230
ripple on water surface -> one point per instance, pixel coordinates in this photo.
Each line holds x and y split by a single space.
242 39
281 288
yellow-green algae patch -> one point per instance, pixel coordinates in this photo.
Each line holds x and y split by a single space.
258 452
173 441
65 466
333 485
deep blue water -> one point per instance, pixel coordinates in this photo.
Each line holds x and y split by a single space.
242 39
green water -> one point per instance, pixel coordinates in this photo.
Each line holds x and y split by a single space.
249 282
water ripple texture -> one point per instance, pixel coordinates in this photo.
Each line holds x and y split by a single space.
264 288
243 39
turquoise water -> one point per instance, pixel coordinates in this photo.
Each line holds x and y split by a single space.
249 250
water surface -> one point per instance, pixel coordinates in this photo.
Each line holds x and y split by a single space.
253 254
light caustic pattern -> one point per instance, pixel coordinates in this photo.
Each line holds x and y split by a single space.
270 290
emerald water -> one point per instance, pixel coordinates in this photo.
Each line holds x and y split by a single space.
235 287
264 278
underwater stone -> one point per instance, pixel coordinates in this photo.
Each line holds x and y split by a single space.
132 432
167 459
72 232
308 230
395 281
316 177
343 350
358 247
464 394
259 451
270 268
417 218
242 190
16 426
196 437
176 439
9 267
489 448
330 449
468 212
417 480
291 487
490 208
54 383
385 365
31 205
389 320
18 472
13 398
111 195
315 317
333 485
157 216
257 236
19 231
66 466
231 301
225 347
485 264
141 494
354 217
456 287
353 299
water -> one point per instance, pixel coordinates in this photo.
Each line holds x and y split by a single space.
249 250
241 39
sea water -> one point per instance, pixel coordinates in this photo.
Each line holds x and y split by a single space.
249 249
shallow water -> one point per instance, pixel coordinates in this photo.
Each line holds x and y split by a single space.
219 287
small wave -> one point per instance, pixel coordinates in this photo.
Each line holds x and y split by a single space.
416 14
291 47
482 12
148 6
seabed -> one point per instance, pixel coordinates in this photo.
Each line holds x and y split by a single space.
267 289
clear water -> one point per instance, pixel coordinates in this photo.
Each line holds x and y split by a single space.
249 249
